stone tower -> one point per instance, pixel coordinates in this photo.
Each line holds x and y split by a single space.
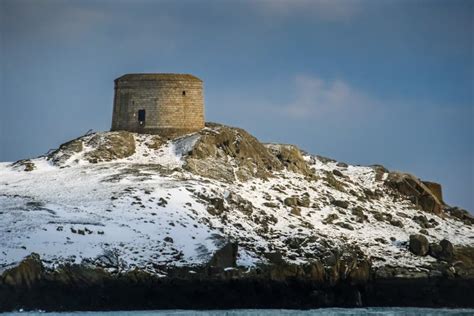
163 104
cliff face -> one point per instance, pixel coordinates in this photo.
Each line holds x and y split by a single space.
218 205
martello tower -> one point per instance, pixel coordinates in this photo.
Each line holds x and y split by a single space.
163 104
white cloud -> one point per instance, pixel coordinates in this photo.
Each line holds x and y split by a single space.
318 98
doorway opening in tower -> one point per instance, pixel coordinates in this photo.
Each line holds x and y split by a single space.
141 116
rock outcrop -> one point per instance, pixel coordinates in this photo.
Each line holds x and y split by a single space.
230 153
115 145
135 221
27 273
419 245
420 194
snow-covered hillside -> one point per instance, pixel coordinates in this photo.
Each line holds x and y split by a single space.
146 202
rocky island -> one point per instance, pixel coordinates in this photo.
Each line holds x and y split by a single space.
217 219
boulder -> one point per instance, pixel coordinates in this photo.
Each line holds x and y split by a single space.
291 158
460 214
216 206
340 203
419 245
296 211
291 201
436 189
337 173
274 257
442 251
28 272
414 189
435 250
396 222
358 211
302 201
168 239
225 257
330 218
243 205
447 250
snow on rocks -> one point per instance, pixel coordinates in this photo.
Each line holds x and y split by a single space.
144 208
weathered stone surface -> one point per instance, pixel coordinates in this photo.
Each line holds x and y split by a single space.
419 245
155 142
463 261
225 257
74 146
296 211
333 182
442 251
29 271
216 206
396 222
340 203
74 276
330 218
238 202
274 257
110 146
460 214
424 222
24 165
415 190
341 278
337 173
435 250
358 211
447 250
290 156
66 151
210 154
291 201
302 201
173 104
436 189
315 271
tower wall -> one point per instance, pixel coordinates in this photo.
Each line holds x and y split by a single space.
173 104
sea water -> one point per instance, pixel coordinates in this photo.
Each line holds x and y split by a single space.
267 312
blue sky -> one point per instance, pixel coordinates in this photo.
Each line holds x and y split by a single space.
388 82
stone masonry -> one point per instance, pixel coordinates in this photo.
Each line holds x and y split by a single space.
165 104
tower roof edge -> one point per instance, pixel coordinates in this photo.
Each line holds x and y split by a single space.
158 77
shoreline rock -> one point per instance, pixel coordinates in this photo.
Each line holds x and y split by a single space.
348 281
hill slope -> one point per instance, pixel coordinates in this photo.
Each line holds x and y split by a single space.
219 197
